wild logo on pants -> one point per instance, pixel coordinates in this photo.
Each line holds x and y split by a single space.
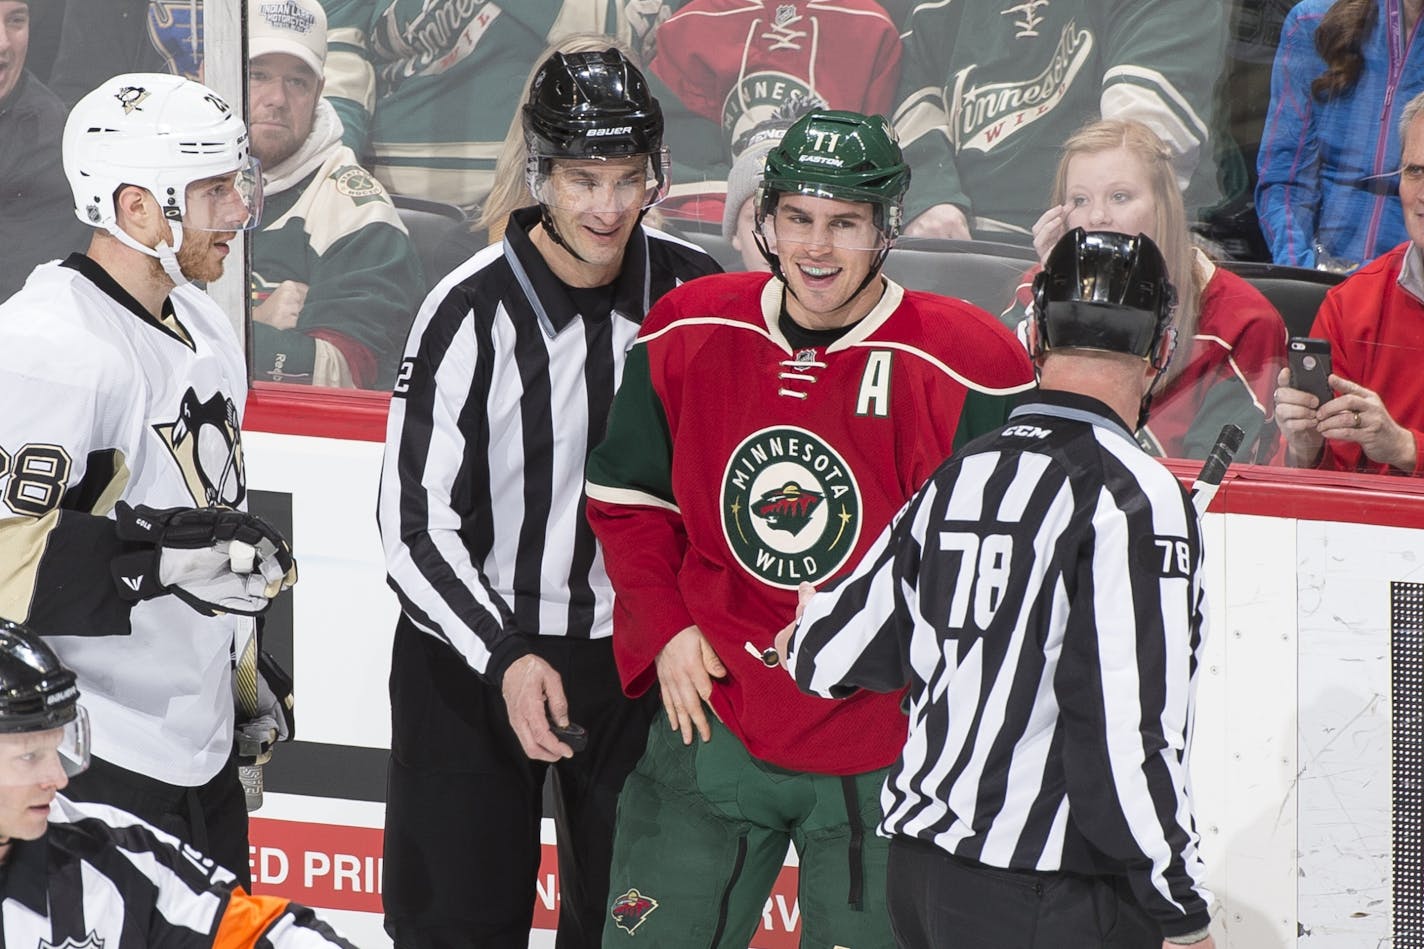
630 909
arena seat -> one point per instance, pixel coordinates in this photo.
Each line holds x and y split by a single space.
708 236
429 224
1295 291
983 272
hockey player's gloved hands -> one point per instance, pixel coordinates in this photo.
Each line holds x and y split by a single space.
274 719
215 559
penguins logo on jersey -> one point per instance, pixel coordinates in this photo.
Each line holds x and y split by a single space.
207 446
791 508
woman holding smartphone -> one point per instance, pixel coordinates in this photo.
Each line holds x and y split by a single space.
1116 175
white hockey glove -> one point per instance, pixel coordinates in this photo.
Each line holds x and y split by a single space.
275 717
215 559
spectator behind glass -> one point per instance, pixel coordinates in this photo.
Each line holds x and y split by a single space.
1326 195
739 214
102 38
989 92
428 103
1116 175
1374 322
729 65
335 278
36 211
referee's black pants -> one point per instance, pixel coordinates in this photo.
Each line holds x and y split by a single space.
938 901
464 802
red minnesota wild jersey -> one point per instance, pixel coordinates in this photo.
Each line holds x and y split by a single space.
737 466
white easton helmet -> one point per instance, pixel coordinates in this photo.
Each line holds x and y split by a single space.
158 132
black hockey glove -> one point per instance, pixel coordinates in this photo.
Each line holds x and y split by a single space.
215 559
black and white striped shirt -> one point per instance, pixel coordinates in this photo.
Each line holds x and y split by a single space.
1042 597
100 878
504 390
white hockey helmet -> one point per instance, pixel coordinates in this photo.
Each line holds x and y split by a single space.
162 133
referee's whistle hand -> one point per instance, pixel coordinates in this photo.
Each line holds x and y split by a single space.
686 667
529 684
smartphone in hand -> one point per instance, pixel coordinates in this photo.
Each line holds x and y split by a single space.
1310 366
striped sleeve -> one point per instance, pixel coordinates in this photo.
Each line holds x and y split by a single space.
350 75
1123 685
272 921
921 116
172 897
856 632
1152 71
436 438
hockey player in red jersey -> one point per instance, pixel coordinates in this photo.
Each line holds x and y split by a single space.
767 429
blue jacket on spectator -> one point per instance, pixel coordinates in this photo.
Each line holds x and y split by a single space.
1327 170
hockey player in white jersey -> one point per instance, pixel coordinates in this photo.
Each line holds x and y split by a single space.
122 491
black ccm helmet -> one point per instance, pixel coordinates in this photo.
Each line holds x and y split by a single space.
37 692
1106 291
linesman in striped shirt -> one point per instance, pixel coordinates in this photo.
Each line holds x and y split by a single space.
1041 595
88 876
507 611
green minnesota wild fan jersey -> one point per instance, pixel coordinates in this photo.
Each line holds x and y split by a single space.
990 91
427 88
737 466
335 230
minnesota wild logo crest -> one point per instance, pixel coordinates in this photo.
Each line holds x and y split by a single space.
791 508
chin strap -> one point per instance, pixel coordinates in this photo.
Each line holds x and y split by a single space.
547 220
167 254
1167 348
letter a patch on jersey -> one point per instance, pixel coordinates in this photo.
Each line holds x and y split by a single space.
874 397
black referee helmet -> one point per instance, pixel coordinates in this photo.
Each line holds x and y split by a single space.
37 692
1106 291
591 105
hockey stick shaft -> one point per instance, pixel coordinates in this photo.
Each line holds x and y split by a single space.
1217 461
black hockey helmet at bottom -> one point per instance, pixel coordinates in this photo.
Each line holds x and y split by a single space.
37 694
1106 291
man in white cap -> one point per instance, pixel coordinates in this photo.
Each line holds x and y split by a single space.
334 274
